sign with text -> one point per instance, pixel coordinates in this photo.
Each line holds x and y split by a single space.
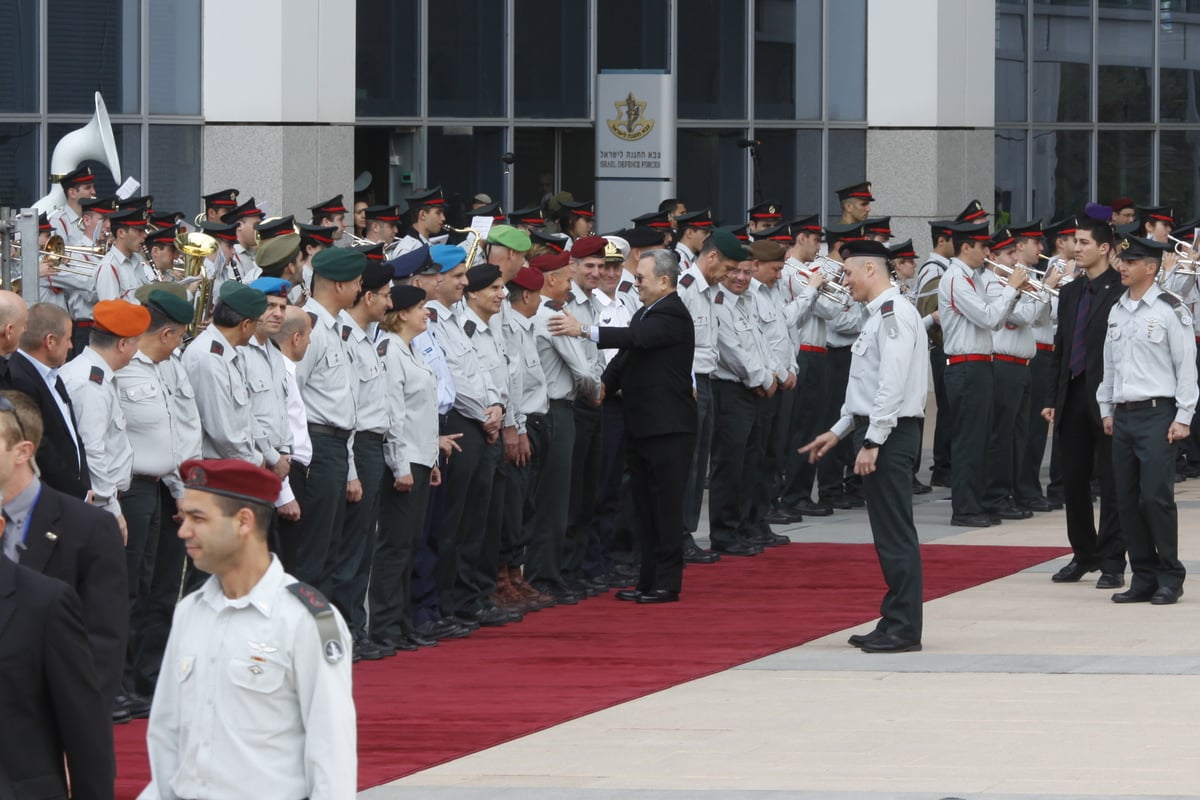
635 125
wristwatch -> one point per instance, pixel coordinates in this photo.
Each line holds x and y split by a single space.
585 331
869 445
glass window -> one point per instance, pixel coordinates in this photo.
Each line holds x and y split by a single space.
465 161
847 165
1125 166
847 77
1061 170
790 170
1179 163
712 59
1125 56
93 48
1011 187
465 62
128 139
385 62
19 55
1011 76
1179 70
1062 54
533 171
173 178
550 66
20 186
787 59
712 172
632 34
174 57
577 154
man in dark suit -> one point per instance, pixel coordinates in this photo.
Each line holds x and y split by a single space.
13 315
1078 368
51 705
653 372
64 538
62 461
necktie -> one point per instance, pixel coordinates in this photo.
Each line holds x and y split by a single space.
1079 340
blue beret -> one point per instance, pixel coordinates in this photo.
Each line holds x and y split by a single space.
270 286
414 262
448 256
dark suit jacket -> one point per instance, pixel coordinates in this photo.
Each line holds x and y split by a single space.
653 371
81 546
62 463
1106 291
50 703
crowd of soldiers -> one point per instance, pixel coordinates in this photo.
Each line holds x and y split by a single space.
433 402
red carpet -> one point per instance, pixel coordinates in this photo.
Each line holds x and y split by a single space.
420 709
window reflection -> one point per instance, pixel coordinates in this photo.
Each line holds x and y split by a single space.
465 62
847 165
712 172
173 176
1179 61
108 32
847 70
1011 74
1062 54
712 59
386 53
1125 57
19 186
1011 186
791 170
1179 169
174 57
1124 166
787 59
632 34
465 161
550 77
18 55
1061 166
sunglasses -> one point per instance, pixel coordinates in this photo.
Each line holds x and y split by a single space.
6 405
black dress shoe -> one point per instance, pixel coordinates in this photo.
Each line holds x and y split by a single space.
1110 580
120 710
993 519
489 617
840 502
856 501
365 651
1014 513
1133 596
419 640
770 540
779 516
737 549
658 596
890 643
1072 572
137 705
462 622
1035 504
628 595
859 639
561 594
810 509
694 555
971 521
1166 596
441 629
386 643
939 479
920 488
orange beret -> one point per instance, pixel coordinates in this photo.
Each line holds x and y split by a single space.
121 318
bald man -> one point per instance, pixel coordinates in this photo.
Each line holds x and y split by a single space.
14 316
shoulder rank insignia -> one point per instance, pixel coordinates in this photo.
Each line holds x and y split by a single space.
687 280
624 286
96 375
1175 303
381 348
217 348
886 309
719 299
469 328
432 313
345 333
327 627
312 316
553 305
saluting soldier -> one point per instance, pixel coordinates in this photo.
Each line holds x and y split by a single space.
1147 399
884 402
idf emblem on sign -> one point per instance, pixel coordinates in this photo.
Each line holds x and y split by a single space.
631 123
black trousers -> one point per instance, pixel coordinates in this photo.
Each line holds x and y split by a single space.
658 469
608 494
969 392
324 507
141 506
426 602
548 522
480 533
1086 451
585 478
693 493
770 425
401 518
520 485
1007 434
1029 474
888 493
350 565
1144 467
807 416
290 531
942 426
833 468
462 487
736 462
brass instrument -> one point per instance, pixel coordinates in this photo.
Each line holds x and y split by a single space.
196 247
1067 277
357 241
473 250
56 253
1183 249
832 289
1032 287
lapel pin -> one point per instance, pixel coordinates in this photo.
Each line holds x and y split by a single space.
52 536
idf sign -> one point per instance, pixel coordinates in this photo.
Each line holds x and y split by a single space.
635 125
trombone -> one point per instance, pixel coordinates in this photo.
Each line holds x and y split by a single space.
56 252
1032 287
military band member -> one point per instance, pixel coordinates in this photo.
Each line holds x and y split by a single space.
693 229
330 214
426 219
884 401
577 219
878 229
245 217
1147 400
90 383
313 239
855 202
660 222
77 185
763 216
382 223
218 204
1061 236
123 269
527 219
224 264
1156 222
161 246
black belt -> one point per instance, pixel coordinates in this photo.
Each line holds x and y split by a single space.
534 418
370 436
146 478
562 401
1153 402
860 420
328 430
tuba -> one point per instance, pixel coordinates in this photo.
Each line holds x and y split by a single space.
92 142
196 247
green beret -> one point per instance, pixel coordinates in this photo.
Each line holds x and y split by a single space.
277 252
510 237
248 302
339 263
177 289
175 308
728 245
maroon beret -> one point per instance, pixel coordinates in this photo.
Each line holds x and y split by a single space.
529 278
552 262
232 477
588 246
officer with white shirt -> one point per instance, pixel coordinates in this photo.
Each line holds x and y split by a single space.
266 378
885 400
259 700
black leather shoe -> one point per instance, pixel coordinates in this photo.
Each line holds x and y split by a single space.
737 549
120 710
1055 500
993 519
442 629
856 501
462 622
1110 580
692 554
365 651
1133 596
419 640
840 502
628 595
386 643
561 594
779 516
971 521
1071 573
810 509
490 617
920 488
137 705
889 643
384 647
859 639
939 479
1035 504
770 540
658 596
1014 513
1166 596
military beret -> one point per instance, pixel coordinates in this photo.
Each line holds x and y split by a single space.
142 293
510 237
1121 203
448 256
339 263
277 252
77 177
767 250
588 247
861 191
414 262
121 318
1132 248
272 286
226 198
276 226
529 278
728 245
170 304
242 299
481 277
1098 211
406 296
551 262
375 276
643 237
232 477
863 247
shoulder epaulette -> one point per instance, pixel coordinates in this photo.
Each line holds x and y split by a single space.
624 286
1178 306
1170 299
469 328
217 348
345 333
886 309
687 280
318 606
432 312
381 348
553 305
312 316
96 375
719 299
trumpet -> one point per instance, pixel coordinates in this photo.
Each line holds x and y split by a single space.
1184 249
1033 287
358 241
832 289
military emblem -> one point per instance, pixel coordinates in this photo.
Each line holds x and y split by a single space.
631 123
333 651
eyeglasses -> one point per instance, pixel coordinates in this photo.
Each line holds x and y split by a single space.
6 405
